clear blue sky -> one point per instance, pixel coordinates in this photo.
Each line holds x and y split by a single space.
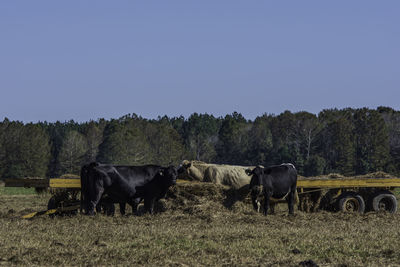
82 60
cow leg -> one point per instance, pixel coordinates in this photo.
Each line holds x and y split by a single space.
99 206
149 205
290 200
122 206
135 205
96 199
258 206
110 209
272 208
256 203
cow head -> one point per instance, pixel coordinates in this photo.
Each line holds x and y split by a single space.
256 175
186 164
256 186
181 169
169 175
185 169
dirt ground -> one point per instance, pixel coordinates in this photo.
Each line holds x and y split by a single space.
198 225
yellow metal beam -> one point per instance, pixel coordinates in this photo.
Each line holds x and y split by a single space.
76 183
26 182
348 183
301 183
65 183
49 212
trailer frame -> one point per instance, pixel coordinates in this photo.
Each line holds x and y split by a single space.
345 194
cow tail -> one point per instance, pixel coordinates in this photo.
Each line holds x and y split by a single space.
83 188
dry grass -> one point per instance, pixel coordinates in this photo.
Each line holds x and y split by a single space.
201 226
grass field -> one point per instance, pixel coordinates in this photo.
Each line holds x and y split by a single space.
16 191
200 227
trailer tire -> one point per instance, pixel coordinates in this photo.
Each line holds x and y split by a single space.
351 202
57 201
385 202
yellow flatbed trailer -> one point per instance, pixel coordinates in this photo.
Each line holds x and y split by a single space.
63 201
349 194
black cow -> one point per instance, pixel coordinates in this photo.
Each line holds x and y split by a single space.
278 181
125 184
106 204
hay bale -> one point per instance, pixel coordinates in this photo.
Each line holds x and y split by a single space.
325 176
206 198
378 174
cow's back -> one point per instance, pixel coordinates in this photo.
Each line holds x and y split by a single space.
281 177
229 175
232 176
138 175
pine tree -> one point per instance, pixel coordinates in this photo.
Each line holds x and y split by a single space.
201 132
232 143
392 122
94 137
125 143
72 152
166 145
26 150
340 146
372 141
260 141
286 140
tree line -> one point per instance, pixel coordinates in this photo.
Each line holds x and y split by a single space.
347 141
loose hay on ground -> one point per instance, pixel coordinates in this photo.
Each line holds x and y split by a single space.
212 234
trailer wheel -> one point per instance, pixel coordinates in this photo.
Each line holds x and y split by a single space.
63 199
351 202
385 202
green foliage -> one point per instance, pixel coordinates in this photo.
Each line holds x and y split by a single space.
57 132
392 122
94 137
165 144
347 141
125 143
72 152
372 141
233 139
26 150
260 141
314 166
201 134
339 146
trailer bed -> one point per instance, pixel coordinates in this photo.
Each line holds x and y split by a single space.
302 183
348 183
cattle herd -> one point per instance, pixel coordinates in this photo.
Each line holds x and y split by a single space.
103 185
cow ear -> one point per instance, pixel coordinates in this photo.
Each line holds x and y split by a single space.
248 172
